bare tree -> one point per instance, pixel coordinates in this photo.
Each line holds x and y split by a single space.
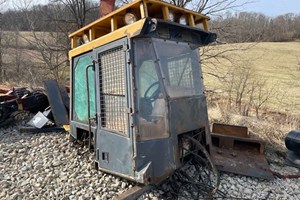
47 50
215 7
237 83
2 2
78 9
262 94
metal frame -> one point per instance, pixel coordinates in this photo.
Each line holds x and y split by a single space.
75 124
154 160
118 148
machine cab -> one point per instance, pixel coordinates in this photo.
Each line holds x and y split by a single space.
137 88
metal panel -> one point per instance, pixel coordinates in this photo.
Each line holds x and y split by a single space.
184 114
114 152
114 149
59 111
240 131
161 154
38 121
65 96
240 155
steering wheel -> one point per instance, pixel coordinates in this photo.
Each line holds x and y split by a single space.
155 94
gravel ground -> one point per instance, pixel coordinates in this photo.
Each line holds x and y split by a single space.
47 166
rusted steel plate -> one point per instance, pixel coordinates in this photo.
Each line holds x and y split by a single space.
238 155
238 143
56 102
225 129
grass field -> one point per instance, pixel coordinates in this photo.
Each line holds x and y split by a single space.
279 63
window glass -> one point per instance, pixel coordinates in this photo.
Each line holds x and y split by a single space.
80 90
180 67
152 110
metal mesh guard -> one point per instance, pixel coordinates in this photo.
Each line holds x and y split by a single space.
180 72
112 90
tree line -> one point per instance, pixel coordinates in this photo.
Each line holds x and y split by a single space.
67 16
256 27
34 42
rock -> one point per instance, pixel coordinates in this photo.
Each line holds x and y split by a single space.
15 196
49 168
56 163
123 185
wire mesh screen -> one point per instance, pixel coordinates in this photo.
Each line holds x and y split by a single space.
112 90
180 72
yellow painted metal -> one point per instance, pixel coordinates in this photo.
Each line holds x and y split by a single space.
67 127
20 106
165 11
114 24
126 31
205 25
191 20
102 30
92 34
142 10
74 42
106 18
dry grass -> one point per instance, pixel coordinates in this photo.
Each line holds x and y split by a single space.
272 128
277 62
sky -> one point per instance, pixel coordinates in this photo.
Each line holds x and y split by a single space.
272 8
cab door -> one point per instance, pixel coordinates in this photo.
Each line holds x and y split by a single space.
114 134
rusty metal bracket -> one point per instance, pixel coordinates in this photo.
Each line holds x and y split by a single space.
234 151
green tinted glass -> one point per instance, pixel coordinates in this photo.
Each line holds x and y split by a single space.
80 89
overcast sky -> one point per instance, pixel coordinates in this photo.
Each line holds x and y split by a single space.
271 8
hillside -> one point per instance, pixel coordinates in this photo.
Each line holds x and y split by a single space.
277 63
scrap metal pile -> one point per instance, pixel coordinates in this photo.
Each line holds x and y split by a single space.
16 100
51 106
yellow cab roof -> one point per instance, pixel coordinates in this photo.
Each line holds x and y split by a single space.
112 26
